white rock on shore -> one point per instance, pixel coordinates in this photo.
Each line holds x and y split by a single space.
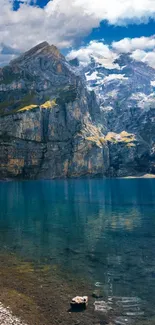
6 317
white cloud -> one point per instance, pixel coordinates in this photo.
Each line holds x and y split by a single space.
62 22
153 83
150 59
127 45
99 51
138 55
146 57
141 49
119 11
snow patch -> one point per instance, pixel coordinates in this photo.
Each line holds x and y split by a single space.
107 108
94 76
115 77
144 101
112 93
139 96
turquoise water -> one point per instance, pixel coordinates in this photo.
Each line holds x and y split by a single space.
103 230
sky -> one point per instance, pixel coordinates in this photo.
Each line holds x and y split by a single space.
79 28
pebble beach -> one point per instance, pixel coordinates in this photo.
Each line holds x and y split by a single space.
7 318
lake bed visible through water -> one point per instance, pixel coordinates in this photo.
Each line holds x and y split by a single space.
91 237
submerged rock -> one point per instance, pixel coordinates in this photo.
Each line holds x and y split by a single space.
79 302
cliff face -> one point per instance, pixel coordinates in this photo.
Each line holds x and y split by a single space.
48 126
51 126
141 124
53 142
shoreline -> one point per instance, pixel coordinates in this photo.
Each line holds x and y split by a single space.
143 176
140 176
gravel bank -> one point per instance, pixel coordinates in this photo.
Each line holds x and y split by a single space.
6 317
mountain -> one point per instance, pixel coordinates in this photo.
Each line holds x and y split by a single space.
60 120
126 95
47 119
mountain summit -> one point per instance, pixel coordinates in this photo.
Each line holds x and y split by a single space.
60 120
43 49
34 77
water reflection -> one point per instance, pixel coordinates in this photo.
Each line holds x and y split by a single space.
103 229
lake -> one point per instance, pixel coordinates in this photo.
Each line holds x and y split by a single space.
97 232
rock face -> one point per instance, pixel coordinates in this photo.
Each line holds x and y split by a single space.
51 126
126 95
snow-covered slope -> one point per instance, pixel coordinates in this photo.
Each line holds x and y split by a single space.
126 93
132 83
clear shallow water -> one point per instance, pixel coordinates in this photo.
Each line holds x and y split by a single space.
103 230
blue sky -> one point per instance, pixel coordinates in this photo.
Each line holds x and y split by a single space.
110 32
40 3
73 24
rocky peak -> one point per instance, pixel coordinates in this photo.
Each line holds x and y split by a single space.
53 50
30 53
41 50
34 77
124 59
74 62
